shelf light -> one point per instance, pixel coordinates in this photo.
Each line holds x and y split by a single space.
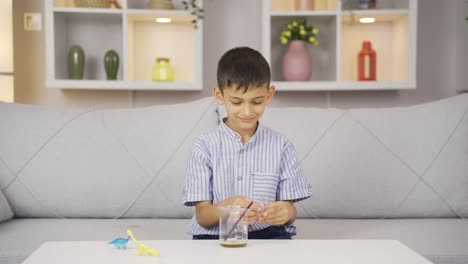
367 20
163 20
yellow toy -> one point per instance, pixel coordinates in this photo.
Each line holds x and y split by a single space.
142 248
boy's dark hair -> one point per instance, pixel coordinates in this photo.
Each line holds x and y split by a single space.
244 68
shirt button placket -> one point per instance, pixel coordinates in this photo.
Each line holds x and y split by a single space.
239 178
240 166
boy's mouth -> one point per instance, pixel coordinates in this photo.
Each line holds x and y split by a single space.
246 120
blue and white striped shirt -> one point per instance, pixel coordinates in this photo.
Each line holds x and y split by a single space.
220 166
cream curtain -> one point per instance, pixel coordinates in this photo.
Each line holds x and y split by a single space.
6 51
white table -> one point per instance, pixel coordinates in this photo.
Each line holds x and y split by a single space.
206 252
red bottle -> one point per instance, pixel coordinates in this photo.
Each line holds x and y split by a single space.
367 63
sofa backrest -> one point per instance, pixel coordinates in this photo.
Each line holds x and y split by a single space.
399 162
361 163
109 163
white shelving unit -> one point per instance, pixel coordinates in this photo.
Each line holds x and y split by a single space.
393 37
134 34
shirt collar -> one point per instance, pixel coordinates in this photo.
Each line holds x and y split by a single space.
236 136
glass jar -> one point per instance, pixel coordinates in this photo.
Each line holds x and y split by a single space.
233 226
162 70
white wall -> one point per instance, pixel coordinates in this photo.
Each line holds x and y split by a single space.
230 23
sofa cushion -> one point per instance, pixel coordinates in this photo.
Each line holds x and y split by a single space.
5 210
99 163
380 163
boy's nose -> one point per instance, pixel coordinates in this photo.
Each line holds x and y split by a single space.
247 111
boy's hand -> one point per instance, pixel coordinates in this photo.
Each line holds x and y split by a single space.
243 201
277 213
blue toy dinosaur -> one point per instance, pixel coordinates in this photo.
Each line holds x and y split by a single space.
120 243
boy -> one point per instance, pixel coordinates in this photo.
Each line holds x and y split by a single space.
240 160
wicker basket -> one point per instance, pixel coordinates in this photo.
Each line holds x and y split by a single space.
93 3
159 4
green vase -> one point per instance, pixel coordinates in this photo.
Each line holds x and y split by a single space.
111 64
76 60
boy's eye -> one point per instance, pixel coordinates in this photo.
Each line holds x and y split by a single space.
235 103
258 102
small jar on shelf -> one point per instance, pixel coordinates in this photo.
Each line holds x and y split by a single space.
367 4
162 70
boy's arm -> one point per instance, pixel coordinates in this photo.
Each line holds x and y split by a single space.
208 214
292 212
198 177
292 187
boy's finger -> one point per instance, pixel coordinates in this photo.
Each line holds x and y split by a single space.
273 208
273 214
279 220
273 217
241 201
255 207
251 214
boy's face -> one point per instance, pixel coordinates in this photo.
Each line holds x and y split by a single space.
244 109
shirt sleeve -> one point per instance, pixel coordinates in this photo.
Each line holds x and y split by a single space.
199 176
292 183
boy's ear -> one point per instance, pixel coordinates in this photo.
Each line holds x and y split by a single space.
271 92
218 95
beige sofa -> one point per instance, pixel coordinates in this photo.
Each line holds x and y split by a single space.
390 173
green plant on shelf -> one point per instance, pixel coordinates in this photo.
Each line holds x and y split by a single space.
348 5
195 9
299 30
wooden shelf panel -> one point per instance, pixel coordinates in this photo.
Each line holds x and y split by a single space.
380 5
148 40
323 55
134 34
96 33
343 86
303 13
122 85
291 5
143 5
389 38
379 15
335 59
87 10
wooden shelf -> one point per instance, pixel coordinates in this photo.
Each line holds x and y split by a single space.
87 10
174 13
122 85
335 59
134 34
379 15
303 13
343 86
